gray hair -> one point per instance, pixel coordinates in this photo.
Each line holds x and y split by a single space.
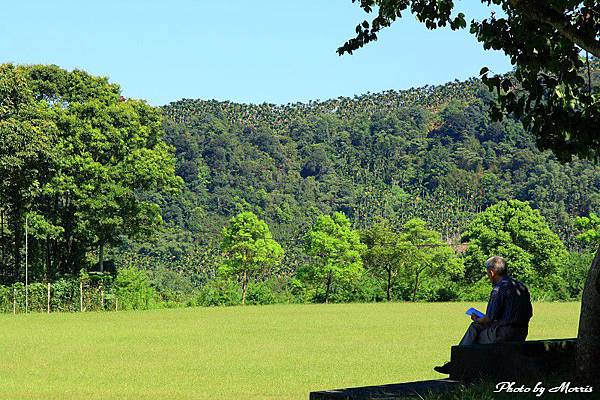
498 264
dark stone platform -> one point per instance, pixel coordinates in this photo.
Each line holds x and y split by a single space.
387 392
514 360
496 362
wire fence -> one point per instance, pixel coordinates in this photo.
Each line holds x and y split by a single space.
61 296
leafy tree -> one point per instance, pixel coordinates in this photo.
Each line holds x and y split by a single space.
336 250
520 234
590 229
382 254
574 272
27 134
248 248
576 268
90 156
111 154
424 254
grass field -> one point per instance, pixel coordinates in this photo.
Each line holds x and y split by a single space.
263 352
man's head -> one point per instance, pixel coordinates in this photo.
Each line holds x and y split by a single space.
496 268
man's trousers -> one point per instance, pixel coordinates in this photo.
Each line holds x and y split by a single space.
496 332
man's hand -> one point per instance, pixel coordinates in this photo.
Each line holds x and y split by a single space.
483 320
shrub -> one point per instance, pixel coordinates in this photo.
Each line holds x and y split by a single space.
37 297
574 273
65 295
6 299
261 293
478 291
171 287
132 288
364 289
219 292
439 290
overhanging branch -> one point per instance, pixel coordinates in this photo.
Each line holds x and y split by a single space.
540 12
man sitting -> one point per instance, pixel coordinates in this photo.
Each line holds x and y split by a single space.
507 315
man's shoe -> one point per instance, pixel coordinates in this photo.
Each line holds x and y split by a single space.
444 369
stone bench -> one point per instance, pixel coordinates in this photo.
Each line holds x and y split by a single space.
512 360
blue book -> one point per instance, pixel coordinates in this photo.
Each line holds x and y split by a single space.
476 312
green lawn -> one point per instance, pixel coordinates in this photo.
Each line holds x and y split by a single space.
264 352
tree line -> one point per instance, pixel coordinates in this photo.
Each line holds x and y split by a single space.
104 183
412 262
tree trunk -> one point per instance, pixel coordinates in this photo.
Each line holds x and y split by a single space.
55 258
327 289
17 255
389 285
414 298
244 287
588 338
2 236
101 257
48 273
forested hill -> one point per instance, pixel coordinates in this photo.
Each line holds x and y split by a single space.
430 152
429 97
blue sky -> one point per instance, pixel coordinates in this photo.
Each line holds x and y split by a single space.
276 51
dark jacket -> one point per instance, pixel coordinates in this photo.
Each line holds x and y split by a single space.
509 309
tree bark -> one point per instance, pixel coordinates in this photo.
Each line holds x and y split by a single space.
244 286
389 285
55 258
101 257
588 338
17 255
2 236
329 279
48 272
416 286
